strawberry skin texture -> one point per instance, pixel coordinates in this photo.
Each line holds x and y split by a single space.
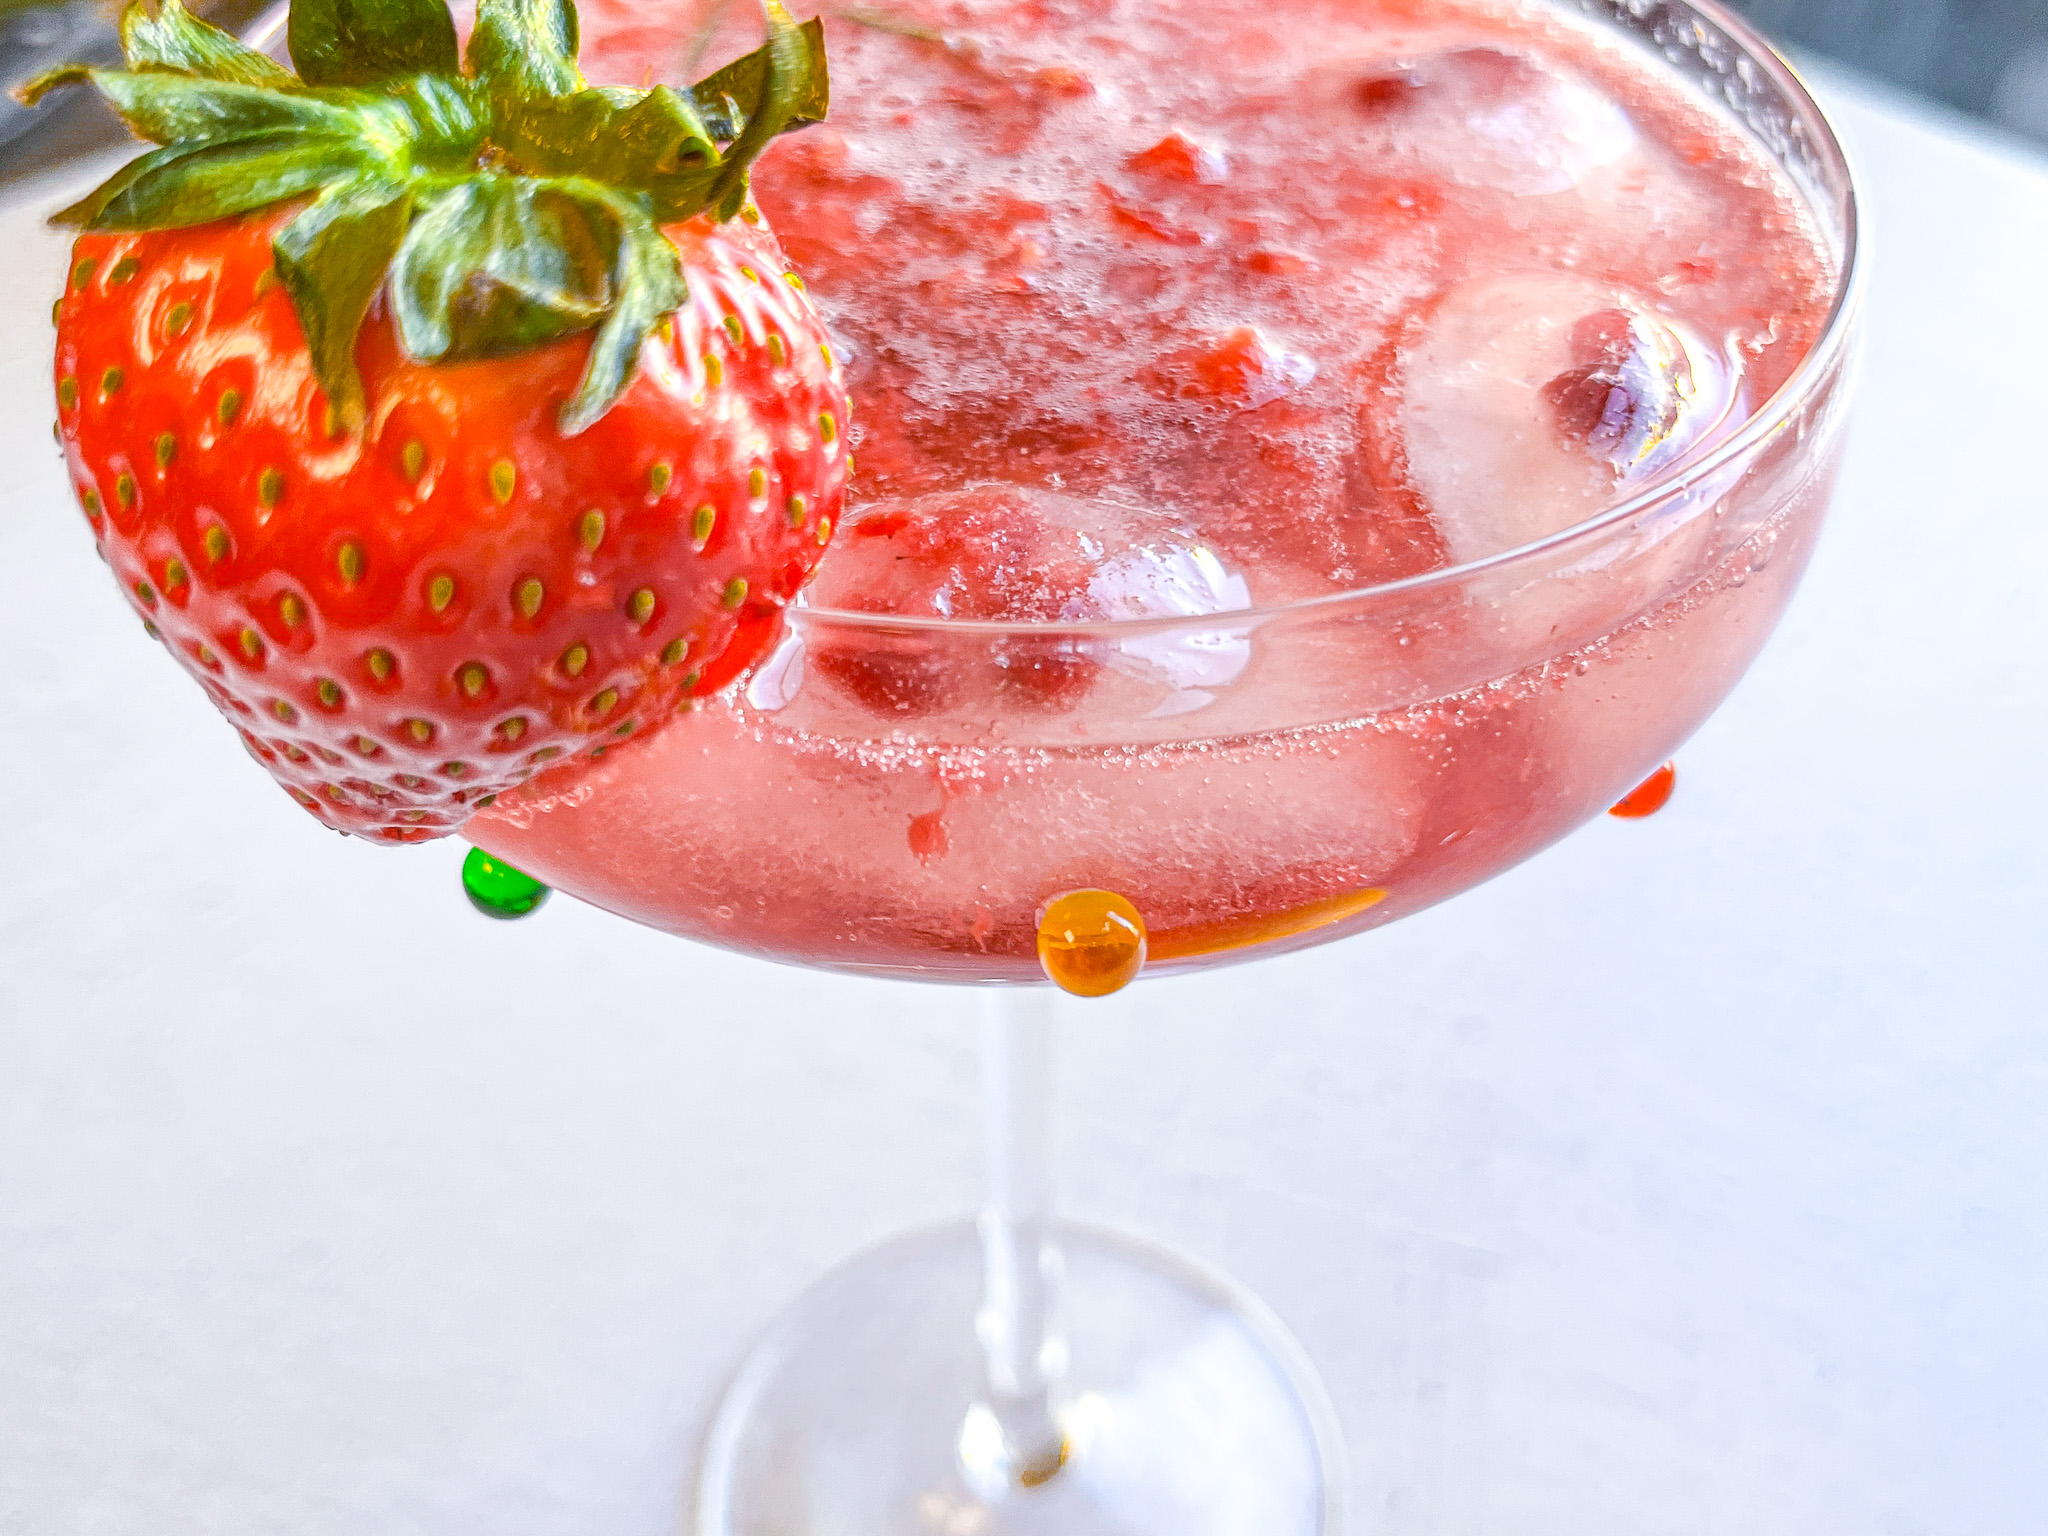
403 622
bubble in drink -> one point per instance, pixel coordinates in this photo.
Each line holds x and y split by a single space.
1648 797
496 889
1091 943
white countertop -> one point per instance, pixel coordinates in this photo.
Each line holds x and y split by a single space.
1688 1179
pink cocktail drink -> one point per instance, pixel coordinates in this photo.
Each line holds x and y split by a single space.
1309 457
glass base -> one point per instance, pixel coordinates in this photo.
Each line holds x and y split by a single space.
1186 1409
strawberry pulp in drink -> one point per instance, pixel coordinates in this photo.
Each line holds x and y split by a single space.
1169 329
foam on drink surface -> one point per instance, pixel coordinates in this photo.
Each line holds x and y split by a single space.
1226 259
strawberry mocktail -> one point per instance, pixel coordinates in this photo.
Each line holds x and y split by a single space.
1307 458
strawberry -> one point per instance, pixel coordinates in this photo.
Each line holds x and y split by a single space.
445 419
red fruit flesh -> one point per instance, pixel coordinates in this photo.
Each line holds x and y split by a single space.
406 621
1181 158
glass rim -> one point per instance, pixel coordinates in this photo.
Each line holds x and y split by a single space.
1674 479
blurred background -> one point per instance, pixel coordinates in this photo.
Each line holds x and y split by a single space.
1988 58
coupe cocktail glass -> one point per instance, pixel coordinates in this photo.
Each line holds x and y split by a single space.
1251 782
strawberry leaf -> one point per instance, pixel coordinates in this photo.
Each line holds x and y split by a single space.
168 108
367 42
730 96
442 115
332 259
525 48
647 281
212 181
788 78
497 264
639 140
176 39
80 215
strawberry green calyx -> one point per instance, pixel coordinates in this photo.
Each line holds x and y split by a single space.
506 201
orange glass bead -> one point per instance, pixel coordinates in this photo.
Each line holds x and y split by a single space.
1648 797
1091 943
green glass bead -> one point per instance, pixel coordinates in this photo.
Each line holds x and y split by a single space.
496 889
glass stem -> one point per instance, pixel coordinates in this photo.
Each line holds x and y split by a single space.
1018 1321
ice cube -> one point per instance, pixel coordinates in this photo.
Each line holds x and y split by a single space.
1490 116
1020 554
778 677
988 551
1531 401
1172 579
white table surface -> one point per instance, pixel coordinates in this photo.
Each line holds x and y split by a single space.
1688 1179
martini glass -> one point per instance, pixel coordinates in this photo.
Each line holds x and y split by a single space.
1229 786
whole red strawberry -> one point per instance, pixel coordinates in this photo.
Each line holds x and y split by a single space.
432 415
